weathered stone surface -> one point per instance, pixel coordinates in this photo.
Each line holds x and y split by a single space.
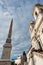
7 46
5 62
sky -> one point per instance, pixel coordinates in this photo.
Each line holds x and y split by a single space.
21 12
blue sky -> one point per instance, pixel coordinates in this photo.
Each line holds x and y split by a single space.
21 12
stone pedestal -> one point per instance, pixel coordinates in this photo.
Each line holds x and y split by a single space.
5 62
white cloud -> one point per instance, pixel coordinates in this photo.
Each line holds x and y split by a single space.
1 2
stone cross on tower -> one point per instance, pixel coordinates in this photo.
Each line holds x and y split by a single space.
7 46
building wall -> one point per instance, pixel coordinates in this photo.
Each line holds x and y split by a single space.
30 61
38 60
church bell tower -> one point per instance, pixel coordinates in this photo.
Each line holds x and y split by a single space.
7 46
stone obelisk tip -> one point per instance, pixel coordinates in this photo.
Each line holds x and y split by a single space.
10 33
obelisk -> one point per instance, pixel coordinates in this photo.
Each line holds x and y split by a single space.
7 46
